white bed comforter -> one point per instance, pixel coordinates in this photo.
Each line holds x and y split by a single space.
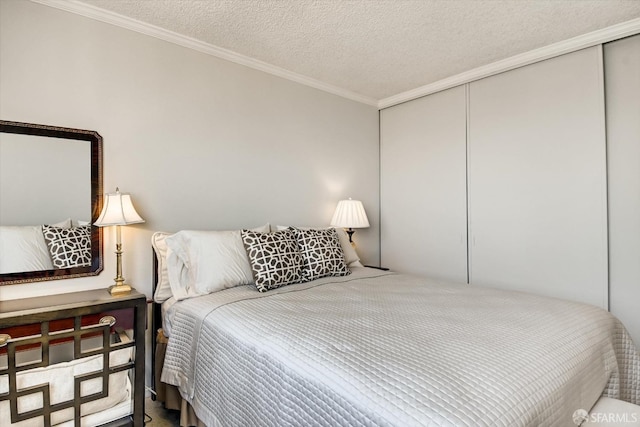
383 349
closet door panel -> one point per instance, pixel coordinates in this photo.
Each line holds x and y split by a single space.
423 186
622 84
537 179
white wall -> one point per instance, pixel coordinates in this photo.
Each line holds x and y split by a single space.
199 142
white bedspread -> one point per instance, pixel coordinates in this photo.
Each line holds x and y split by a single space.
384 349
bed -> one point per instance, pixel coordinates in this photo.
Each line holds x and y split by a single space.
377 348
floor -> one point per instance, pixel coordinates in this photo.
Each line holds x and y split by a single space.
160 417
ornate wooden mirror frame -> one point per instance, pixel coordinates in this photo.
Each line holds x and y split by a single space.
95 141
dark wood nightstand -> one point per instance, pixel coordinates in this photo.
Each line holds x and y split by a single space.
72 320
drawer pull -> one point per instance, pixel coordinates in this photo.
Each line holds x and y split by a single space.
4 339
108 320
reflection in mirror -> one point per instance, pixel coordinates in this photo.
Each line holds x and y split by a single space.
42 182
50 194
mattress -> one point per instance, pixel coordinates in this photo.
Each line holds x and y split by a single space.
383 349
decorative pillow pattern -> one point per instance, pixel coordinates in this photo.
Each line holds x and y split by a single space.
350 255
69 247
274 257
321 253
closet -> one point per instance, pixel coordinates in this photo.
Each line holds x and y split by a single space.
622 84
537 179
422 155
551 186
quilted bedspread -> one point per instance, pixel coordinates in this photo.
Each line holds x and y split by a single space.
383 349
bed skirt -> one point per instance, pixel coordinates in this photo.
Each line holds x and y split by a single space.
168 394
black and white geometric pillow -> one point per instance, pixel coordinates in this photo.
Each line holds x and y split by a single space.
68 247
274 257
322 253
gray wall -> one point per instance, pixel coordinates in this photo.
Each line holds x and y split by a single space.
199 142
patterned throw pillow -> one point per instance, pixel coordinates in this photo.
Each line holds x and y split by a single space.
321 253
274 257
69 247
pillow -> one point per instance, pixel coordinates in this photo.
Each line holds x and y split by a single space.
163 288
60 378
350 255
321 253
274 257
201 262
23 249
64 224
68 247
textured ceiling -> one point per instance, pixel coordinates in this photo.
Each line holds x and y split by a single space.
377 48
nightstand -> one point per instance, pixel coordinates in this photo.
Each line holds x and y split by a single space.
73 330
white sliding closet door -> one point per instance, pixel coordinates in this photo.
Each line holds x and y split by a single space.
622 83
537 179
423 189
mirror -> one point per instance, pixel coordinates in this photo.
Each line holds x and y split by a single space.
49 176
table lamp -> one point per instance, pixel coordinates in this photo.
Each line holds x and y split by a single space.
118 210
350 214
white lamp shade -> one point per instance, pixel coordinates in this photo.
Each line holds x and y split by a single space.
118 210
350 214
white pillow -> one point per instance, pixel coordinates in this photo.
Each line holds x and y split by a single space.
350 255
23 248
201 262
60 378
163 288
63 224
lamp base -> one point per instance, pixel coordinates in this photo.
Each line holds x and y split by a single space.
122 289
350 232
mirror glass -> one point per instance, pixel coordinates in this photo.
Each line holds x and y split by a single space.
50 195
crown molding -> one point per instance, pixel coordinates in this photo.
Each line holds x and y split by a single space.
594 38
89 11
